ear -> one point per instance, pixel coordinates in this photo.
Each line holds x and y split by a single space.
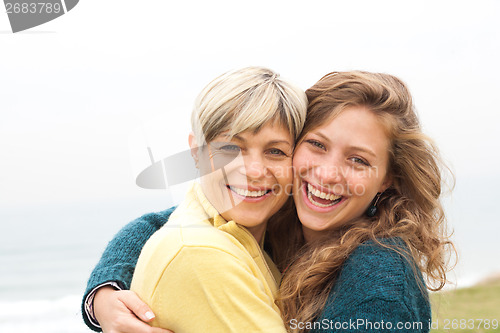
386 184
194 147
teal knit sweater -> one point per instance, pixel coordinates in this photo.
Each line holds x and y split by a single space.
376 291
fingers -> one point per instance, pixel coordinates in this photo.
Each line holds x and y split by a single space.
137 326
136 305
160 330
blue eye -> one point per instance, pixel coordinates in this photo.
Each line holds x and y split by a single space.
230 148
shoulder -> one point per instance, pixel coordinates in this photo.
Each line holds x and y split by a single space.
381 272
382 269
191 240
378 259
212 288
167 251
156 218
134 234
390 254
201 270
211 260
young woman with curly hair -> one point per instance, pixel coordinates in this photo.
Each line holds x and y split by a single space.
367 220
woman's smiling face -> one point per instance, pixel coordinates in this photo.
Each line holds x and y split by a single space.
339 168
247 178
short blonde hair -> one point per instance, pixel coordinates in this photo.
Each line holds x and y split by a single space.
246 99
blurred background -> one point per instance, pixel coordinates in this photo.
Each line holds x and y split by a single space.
83 96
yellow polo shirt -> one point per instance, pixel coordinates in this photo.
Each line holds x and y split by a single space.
200 273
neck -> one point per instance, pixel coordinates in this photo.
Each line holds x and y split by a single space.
313 235
310 235
257 231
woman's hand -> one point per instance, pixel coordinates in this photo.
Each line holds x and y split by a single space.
122 311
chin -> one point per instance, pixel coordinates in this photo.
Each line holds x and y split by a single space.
315 223
246 217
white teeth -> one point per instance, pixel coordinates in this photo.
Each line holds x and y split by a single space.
247 193
317 193
317 203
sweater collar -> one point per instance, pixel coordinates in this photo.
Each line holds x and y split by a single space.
239 232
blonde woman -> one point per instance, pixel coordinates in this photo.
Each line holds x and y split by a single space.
366 220
209 258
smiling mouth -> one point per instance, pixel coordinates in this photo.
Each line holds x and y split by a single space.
322 199
246 193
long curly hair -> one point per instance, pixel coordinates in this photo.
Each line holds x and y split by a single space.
409 209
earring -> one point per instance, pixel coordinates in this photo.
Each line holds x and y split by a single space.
195 159
372 210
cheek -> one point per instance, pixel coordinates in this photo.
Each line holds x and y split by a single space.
360 184
364 186
210 181
301 159
283 173
283 176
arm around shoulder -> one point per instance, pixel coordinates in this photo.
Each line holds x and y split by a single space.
119 259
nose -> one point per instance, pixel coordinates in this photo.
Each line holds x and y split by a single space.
329 173
254 166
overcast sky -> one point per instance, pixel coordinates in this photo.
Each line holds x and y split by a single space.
77 93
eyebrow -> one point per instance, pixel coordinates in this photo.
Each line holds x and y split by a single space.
365 150
272 142
324 137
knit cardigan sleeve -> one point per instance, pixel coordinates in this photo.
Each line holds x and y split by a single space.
120 257
378 290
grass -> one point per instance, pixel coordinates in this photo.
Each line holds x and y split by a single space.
462 310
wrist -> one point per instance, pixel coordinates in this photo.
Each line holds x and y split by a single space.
89 300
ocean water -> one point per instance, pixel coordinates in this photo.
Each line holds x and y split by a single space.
46 255
59 315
